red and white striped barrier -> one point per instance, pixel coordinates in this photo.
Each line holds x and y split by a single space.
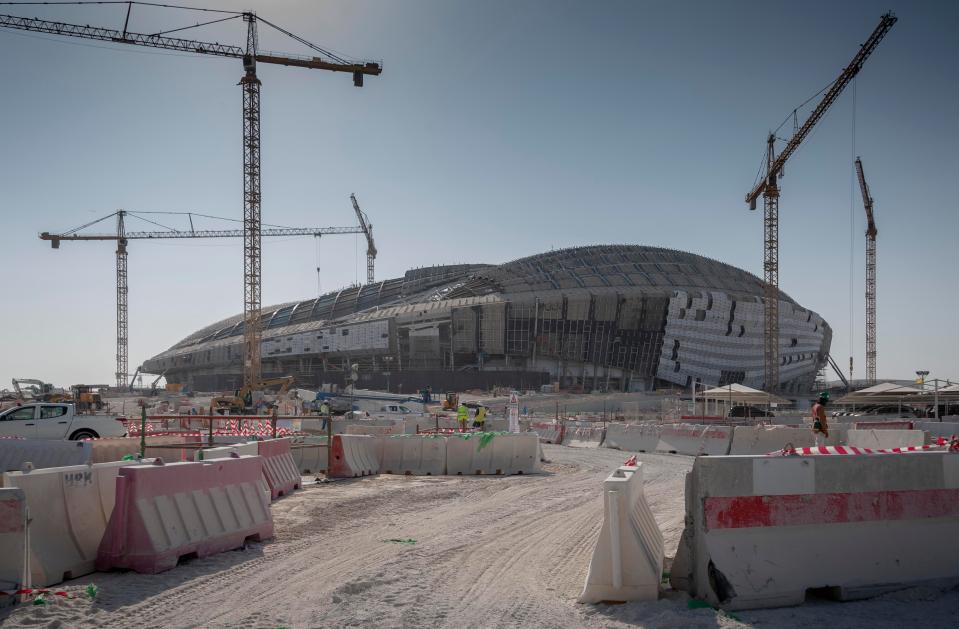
847 450
762 531
549 432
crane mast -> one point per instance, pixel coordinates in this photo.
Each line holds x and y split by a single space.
368 231
768 188
250 85
871 233
122 293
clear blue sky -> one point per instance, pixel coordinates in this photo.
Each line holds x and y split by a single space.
497 130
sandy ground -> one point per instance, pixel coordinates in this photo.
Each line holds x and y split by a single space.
489 552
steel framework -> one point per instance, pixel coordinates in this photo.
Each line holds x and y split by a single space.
368 231
871 233
251 125
122 292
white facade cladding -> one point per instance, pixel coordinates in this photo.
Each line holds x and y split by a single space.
717 339
600 317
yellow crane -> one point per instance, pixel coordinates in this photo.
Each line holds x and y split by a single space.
768 188
871 233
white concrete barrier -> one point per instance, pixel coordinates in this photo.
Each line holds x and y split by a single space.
939 429
309 454
884 439
69 511
695 439
492 453
764 531
14 558
548 432
591 437
632 437
14 453
415 455
627 562
766 439
249 448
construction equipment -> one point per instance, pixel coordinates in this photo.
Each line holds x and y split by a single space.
87 397
368 230
39 391
241 402
871 233
250 84
768 187
452 402
123 237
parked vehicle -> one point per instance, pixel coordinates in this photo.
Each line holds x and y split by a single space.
58 421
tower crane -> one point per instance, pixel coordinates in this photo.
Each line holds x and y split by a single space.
250 83
768 187
122 238
368 230
871 233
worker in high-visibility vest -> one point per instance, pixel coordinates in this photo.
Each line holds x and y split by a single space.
462 414
479 421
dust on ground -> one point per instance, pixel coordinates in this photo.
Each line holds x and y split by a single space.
488 552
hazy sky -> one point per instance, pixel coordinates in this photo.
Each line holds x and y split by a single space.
498 129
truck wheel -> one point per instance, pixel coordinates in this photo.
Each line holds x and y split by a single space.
84 433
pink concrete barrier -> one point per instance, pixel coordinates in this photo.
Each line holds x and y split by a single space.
164 512
352 456
282 475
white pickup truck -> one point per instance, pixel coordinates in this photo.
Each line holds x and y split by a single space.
57 421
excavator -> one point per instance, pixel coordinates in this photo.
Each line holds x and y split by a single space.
39 391
241 402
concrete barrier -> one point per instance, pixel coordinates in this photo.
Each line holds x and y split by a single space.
884 439
309 454
14 556
164 512
632 437
352 456
42 453
903 424
591 437
415 455
250 448
627 562
548 432
765 439
279 469
765 531
114 449
503 453
69 510
695 439
939 429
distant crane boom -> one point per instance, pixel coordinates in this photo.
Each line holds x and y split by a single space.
871 233
768 187
368 230
250 84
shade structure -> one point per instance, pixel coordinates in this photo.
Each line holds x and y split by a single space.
741 394
884 392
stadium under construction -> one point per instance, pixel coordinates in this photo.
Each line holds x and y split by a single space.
620 317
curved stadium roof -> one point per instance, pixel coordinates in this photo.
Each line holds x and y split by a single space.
646 269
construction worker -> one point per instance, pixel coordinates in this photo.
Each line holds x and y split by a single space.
820 426
462 414
479 421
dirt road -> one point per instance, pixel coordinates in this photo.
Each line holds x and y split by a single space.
488 552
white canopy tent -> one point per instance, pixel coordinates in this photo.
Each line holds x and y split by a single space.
884 392
732 394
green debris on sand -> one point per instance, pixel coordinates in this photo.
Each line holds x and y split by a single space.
697 603
92 590
396 540
40 600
